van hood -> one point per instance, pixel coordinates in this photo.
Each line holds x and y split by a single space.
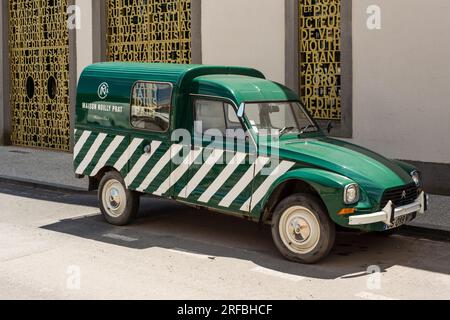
367 168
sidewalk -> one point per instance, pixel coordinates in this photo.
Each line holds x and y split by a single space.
55 169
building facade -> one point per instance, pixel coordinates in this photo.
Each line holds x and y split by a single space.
376 70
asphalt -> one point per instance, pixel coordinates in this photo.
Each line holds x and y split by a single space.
56 245
54 170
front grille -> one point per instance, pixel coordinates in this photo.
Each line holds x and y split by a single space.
396 195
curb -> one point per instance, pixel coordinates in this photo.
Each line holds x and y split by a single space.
45 185
426 231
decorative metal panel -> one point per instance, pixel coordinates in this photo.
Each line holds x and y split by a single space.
39 64
320 57
149 30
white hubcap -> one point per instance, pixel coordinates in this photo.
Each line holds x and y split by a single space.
299 230
114 198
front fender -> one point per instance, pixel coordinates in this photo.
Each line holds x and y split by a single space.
328 185
405 166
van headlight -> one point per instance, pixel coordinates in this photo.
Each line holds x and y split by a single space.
415 175
351 194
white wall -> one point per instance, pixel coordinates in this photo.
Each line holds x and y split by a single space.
245 33
402 79
84 36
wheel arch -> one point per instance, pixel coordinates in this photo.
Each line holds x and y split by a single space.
284 189
326 186
94 181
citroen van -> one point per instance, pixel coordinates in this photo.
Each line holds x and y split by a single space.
228 140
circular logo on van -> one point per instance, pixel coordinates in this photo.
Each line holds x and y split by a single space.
103 90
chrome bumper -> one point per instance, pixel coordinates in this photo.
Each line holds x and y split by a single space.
390 213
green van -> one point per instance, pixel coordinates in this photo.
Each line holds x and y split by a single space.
227 139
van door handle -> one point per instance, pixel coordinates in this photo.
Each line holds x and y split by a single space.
148 149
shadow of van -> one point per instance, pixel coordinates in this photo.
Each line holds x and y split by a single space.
168 225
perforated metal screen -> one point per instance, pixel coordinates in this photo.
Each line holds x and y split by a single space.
149 30
320 57
39 65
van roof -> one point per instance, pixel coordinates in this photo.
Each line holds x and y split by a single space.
180 75
240 88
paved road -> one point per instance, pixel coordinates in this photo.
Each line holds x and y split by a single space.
54 245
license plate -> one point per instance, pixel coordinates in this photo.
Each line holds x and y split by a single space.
401 221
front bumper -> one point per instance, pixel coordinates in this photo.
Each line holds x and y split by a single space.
390 213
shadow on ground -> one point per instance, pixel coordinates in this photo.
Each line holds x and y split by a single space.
169 225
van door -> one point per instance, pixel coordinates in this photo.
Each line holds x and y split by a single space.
151 148
222 176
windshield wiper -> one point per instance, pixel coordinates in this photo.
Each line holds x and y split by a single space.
306 128
286 130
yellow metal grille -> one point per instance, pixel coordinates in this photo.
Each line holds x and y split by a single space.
149 30
320 57
39 64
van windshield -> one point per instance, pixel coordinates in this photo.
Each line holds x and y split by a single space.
279 117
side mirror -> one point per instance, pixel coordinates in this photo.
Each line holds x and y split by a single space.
241 110
329 127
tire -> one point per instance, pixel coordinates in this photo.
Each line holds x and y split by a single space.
310 244
122 209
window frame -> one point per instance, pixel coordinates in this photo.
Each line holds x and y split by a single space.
244 125
170 106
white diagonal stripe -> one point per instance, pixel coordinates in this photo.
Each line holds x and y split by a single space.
123 160
246 179
223 177
259 194
201 173
178 173
91 153
80 143
140 164
107 154
174 149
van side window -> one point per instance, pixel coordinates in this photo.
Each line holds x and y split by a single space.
209 115
214 117
150 106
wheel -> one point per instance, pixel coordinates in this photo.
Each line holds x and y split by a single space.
302 230
119 205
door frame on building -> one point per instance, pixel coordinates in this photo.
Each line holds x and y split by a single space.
344 127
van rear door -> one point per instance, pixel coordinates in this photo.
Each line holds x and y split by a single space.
150 165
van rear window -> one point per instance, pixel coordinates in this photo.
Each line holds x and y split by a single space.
150 106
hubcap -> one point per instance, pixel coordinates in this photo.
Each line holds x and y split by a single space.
299 230
114 198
